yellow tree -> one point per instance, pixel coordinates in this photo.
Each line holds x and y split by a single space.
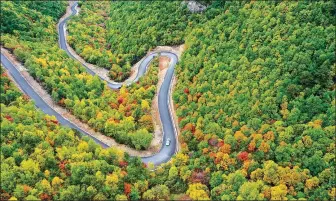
271 174
279 192
198 191
251 191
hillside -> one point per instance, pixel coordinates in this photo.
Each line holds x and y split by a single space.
116 114
118 34
256 100
253 92
42 160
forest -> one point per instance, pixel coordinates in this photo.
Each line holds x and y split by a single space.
116 40
41 160
17 16
255 101
108 35
123 115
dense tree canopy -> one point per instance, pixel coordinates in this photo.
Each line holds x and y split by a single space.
42 160
119 114
26 18
255 101
115 35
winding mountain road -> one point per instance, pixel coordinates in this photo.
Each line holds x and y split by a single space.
169 130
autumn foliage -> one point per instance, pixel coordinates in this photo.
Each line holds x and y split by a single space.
254 101
243 156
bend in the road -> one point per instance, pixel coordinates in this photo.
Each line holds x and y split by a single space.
38 100
168 127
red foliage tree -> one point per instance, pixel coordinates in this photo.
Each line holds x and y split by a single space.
243 156
9 118
54 121
61 102
4 196
45 196
127 188
190 127
61 165
186 91
120 100
212 155
25 97
114 105
220 143
213 142
199 177
123 163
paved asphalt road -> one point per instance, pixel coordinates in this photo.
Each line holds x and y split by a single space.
166 152
39 102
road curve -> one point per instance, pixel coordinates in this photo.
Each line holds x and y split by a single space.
39 102
169 131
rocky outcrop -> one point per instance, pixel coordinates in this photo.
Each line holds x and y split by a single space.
194 6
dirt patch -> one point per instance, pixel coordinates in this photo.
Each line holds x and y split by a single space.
174 49
163 62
